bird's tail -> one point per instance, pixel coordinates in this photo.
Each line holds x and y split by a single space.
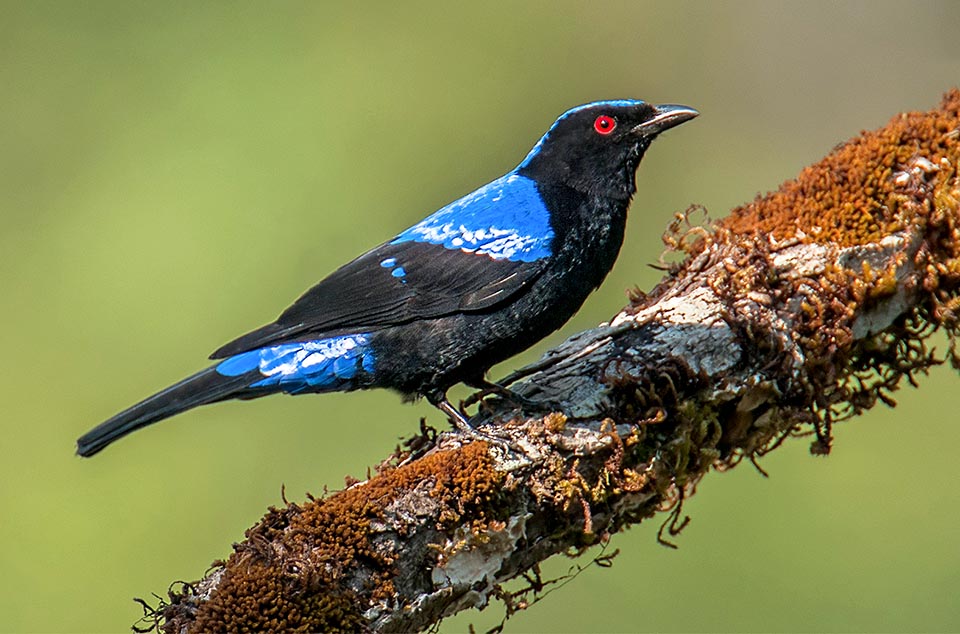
339 363
206 386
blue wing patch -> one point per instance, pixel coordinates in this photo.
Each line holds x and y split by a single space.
400 273
505 220
305 366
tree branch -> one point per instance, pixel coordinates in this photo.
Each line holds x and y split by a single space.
799 310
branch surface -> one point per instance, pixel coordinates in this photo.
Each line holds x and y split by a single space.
801 309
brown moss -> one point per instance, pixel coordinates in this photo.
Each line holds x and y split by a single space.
902 177
899 178
851 197
263 601
321 546
300 568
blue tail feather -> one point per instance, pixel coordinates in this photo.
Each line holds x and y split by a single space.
334 363
320 365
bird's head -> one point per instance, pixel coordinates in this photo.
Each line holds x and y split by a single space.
596 147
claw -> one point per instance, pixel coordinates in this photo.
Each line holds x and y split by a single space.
460 422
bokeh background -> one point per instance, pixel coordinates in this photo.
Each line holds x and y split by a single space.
173 174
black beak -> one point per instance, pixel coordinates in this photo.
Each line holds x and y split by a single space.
665 116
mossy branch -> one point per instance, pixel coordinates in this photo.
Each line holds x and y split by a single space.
799 310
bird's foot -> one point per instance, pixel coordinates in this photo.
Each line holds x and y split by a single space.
460 422
489 388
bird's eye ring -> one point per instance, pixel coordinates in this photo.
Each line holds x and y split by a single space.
604 124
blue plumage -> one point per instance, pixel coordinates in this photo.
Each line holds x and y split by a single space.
505 219
319 365
472 284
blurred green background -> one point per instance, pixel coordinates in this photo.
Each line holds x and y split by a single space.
173 174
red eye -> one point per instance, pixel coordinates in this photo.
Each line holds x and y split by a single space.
604 124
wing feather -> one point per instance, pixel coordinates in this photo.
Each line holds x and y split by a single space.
369 293
471 255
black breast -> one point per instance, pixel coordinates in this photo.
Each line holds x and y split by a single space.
435 354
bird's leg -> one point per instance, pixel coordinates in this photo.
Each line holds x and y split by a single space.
439 400
458 419
487 388
482 392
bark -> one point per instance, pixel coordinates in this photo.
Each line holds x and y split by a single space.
799 310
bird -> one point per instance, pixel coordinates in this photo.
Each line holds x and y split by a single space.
469 286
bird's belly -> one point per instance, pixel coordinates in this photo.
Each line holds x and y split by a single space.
435 354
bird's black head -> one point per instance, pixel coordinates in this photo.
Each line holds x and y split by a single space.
595 148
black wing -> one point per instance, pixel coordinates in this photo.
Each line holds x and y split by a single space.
394 284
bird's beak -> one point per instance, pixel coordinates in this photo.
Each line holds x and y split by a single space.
665 117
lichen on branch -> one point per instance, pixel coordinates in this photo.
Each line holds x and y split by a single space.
800 309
